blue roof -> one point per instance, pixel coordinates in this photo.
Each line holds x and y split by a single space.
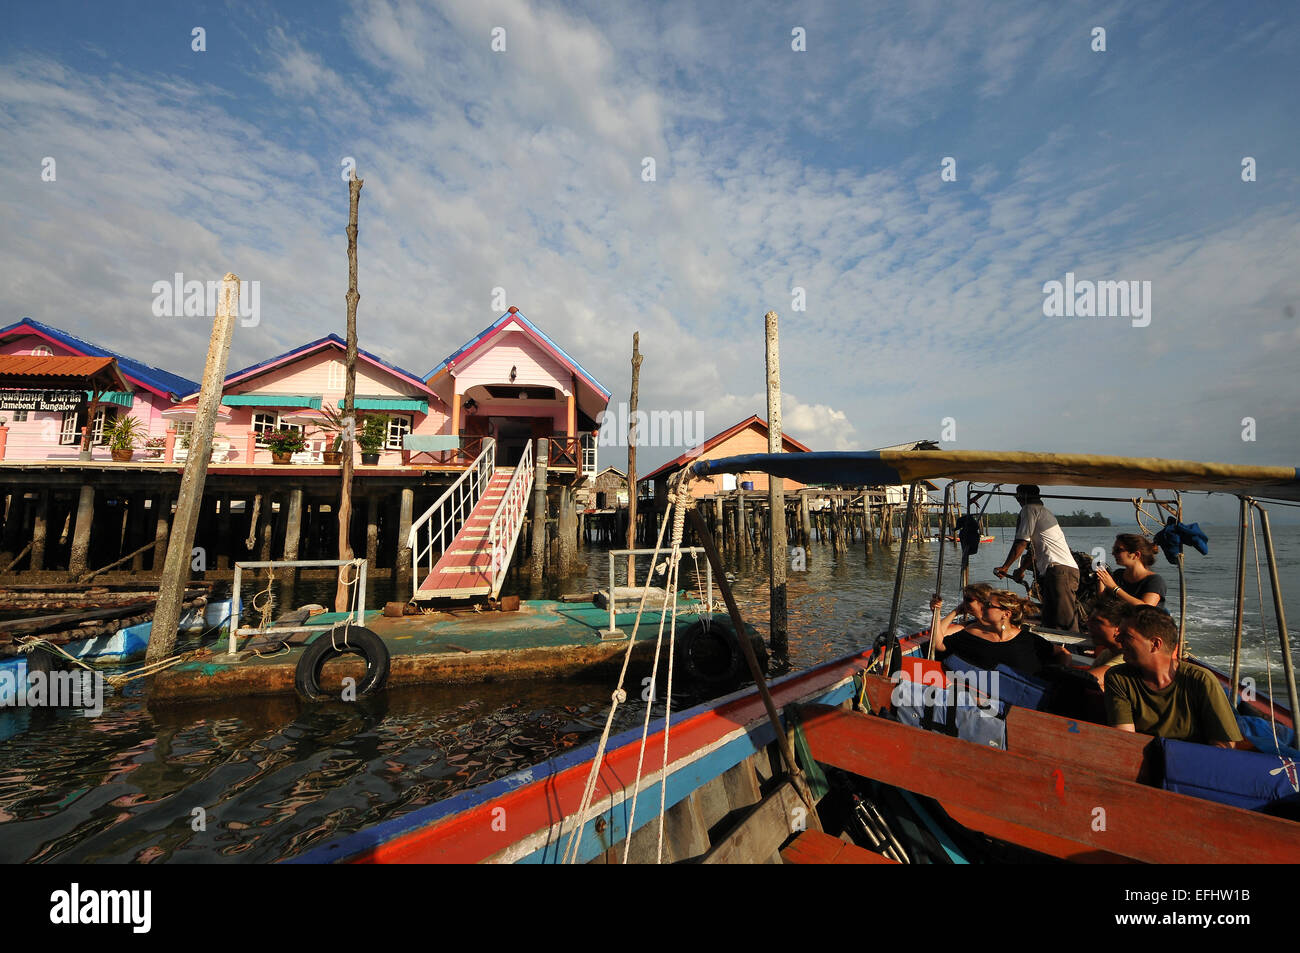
536 330
305 348
154 377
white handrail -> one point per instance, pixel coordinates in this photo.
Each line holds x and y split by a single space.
503 532
449 511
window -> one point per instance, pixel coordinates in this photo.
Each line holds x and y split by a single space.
184 428
20 416
589 454
264 424
104 417
398 426
338 377
42 350
68 430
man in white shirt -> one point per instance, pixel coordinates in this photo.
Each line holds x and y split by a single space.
1054 565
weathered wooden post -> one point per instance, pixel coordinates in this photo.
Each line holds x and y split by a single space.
81 532
718 532
372 531
537 561
565 531
631 459
176 569
743 519
268 527
292 540
162 530
39 528
404 519
778 617
346 573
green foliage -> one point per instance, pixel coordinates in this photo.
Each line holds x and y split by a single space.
1077 518
374 433
284 441
124 433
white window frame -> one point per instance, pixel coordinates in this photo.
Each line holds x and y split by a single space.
100 423
68 430
20 416
589 454
338 376
41 350
398 426
260 427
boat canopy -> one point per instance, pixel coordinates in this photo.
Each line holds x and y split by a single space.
899 467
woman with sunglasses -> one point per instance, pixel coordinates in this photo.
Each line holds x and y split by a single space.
994 636
1133 584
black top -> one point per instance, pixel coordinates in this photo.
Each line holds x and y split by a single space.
1152 583
1028 653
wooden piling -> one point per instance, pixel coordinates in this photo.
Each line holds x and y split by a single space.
267 527
538 559
372 531
162 529
39 529
81 532
404 518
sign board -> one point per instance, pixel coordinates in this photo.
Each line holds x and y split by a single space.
51 401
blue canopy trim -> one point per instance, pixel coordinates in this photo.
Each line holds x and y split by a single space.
900 467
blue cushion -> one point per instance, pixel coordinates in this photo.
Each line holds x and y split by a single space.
1247 779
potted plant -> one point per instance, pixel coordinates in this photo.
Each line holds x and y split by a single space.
283 444
338 425
154 447
373 436
122 436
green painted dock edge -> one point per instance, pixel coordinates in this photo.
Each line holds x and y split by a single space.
543 639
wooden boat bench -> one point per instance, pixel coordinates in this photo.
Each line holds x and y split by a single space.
815 847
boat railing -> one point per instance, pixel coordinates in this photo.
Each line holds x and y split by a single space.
237 606
503 531
432 533
693 551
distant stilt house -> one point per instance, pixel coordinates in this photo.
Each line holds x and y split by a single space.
748 436
513 383
606 491
55 434
291 390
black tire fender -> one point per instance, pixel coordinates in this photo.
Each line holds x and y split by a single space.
354 640
711 655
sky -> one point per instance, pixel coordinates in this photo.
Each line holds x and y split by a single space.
900 182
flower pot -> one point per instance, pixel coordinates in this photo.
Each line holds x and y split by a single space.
370 459
285 457
122 456
332 458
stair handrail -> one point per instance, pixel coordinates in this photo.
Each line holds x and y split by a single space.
449 512
503 531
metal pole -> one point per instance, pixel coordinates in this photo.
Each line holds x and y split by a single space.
612 583
902 558
1182 589
1239 615
937 613
1287 668
361 592
787 755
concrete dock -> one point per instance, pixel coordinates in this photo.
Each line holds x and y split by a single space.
543 639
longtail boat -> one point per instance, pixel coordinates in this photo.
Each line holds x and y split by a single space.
817 770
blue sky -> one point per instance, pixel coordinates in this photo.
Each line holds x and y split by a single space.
774 169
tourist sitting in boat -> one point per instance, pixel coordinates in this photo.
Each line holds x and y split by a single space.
1157 694
994 637
1103 625
1133 583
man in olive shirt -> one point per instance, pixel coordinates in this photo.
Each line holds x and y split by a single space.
1156 694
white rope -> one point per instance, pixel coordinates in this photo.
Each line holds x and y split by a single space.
679 521
352 609
617 698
